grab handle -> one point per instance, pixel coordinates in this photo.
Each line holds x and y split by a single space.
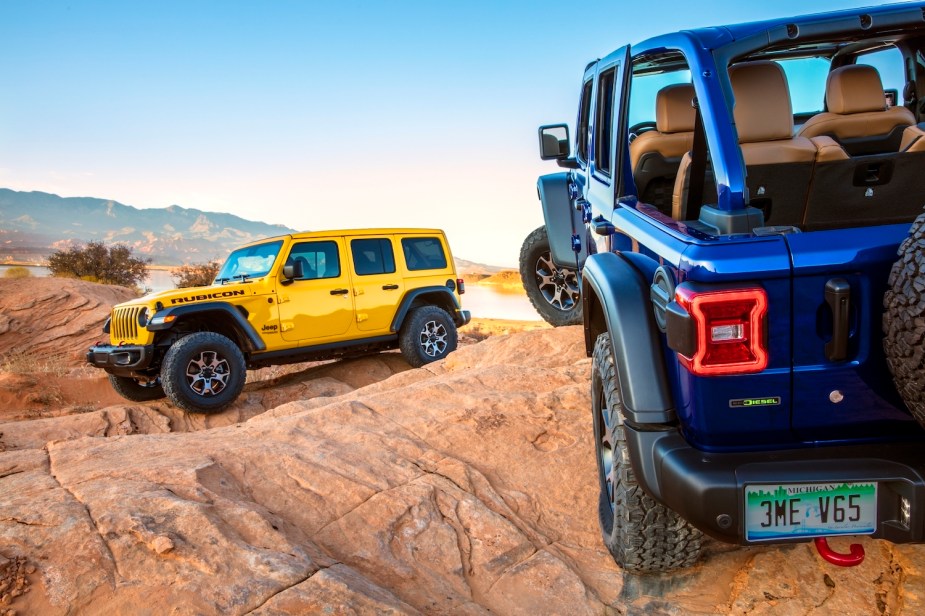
838 297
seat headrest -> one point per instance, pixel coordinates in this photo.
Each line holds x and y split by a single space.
762 101
674 109
855 88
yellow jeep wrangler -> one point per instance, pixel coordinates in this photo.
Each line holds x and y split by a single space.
287 299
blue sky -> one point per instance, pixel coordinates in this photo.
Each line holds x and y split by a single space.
315 115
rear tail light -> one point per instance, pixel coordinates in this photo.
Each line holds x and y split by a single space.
461 285
719 331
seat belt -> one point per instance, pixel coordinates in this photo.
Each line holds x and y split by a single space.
698 167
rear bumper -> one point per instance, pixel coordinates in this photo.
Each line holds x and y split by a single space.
708 489
462 317
121 360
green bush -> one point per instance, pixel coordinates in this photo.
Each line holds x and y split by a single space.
99 263
196 275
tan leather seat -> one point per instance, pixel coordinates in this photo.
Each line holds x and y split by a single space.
857 116
764 117
778 165
655 155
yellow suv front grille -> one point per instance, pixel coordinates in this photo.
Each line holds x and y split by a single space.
124 325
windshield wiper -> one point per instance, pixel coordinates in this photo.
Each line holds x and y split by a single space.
221 280
243 277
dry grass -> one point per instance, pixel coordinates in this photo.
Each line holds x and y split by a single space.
21 362
45 398
17 272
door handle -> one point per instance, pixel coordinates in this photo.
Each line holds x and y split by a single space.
389 287
339 291
838 297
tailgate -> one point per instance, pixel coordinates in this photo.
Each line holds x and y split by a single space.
842 388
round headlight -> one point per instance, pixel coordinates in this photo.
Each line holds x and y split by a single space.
143 317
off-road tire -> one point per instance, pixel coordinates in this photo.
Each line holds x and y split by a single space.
904 321
427 334
131 389
552 290
186 380
642 535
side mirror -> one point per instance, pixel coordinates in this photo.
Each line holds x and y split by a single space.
891 97
293 270
554 142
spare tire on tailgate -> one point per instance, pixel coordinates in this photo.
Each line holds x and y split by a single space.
904 321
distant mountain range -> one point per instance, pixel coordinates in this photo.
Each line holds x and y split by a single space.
34 224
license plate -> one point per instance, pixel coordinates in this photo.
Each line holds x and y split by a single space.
786 511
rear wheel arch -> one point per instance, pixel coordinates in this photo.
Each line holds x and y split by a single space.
617 295
441 297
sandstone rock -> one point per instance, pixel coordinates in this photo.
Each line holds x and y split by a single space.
465 487
56 318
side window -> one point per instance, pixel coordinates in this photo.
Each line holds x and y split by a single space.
584 118
604 123
318 259
889 63
372 256
423 253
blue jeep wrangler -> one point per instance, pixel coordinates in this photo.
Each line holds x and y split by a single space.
734 200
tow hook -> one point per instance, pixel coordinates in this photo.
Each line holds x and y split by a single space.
856 557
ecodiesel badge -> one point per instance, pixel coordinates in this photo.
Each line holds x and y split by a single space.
752 402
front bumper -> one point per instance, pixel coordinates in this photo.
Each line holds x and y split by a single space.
708 489
121 360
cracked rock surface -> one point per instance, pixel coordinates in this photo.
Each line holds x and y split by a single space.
465 487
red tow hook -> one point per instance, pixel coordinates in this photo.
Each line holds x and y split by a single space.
856 557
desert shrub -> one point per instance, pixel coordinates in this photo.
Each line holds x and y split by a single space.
99 263
195 275
17 272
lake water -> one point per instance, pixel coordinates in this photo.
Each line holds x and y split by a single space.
484 302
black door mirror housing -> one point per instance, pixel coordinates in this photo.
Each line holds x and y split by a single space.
293 270
554 142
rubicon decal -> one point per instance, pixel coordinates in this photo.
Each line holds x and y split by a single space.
205 296
742 402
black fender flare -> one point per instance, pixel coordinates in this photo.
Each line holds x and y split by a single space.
615 298
562 220
413 294
250 335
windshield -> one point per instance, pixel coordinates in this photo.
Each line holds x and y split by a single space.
249 262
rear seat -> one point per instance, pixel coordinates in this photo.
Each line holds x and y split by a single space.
857 117
816 183
779 166
852 191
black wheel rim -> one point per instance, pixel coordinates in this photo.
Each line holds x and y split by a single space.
207 374
558 285
433 339
606 450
